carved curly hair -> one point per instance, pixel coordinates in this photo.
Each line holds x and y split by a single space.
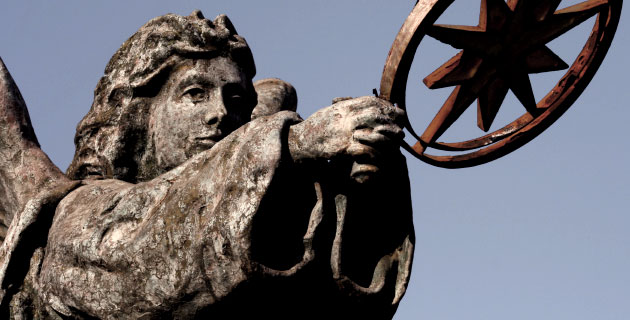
111 139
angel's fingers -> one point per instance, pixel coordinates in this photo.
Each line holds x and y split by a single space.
392 131
361 151
370 118
380 136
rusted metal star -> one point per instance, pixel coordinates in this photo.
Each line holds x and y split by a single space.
497 56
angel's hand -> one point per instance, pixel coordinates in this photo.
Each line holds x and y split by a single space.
363 129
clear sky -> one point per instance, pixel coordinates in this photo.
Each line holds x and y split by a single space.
539 234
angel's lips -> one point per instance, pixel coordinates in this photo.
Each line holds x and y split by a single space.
208 140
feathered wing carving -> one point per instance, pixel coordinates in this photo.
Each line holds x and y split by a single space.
25 170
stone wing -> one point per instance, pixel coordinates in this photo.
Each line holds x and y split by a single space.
25 170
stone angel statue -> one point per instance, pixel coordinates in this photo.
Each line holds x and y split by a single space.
194 193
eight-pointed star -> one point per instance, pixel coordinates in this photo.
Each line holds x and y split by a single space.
508 44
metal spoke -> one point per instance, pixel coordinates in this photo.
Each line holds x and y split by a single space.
458 69
459 100
564 20
544 60
489 102
522 89
463 37
530 11
494 15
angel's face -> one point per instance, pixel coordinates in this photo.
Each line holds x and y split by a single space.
202 101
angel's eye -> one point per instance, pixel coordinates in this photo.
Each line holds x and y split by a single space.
195 94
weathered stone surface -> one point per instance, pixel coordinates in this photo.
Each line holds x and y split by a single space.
194 193
24 169
274 95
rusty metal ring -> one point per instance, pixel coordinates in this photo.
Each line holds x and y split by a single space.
494 145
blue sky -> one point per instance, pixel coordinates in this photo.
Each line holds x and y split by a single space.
539 234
